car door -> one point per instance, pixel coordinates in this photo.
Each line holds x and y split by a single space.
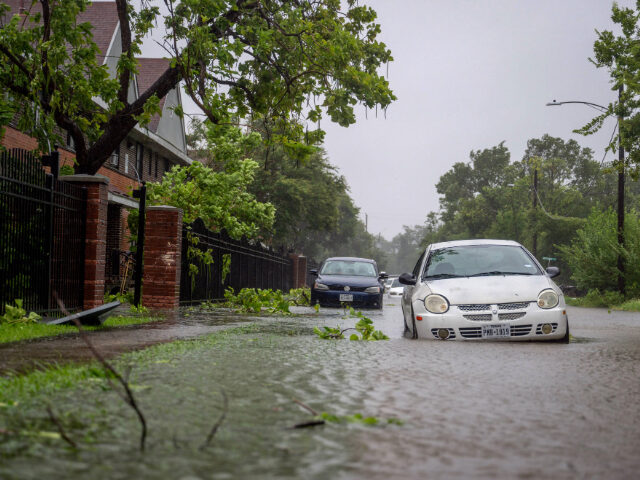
409 289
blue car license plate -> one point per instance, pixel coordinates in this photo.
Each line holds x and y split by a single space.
346 297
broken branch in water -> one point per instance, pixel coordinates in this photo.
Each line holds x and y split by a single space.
60 428
127 396
310 423
214 429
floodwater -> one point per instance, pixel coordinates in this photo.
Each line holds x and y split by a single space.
469 409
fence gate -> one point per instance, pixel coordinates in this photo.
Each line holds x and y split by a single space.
42 236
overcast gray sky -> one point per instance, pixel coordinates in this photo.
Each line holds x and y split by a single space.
468 74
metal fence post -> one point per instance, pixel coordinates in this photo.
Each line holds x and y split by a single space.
142 195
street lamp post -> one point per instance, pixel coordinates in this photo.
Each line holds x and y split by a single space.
621 182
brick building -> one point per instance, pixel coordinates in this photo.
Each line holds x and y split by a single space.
144 155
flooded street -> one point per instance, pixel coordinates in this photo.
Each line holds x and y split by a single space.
468 409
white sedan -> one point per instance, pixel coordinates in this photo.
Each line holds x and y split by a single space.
483 290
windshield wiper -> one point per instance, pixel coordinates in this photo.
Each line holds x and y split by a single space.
441 275
497 272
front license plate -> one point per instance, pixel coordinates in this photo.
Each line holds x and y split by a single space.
344 297
496 331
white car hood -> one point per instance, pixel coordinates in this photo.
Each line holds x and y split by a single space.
491 289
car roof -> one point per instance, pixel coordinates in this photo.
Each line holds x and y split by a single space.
352 259
478 241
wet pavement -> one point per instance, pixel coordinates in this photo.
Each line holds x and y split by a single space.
469 409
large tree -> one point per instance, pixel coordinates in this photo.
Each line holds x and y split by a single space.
289 61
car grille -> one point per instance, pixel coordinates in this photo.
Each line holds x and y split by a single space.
474 307
351 289
477 307
482 317
554 326
476 332
452 333
513 306
511 316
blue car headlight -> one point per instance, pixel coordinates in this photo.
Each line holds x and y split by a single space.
320 286
372 290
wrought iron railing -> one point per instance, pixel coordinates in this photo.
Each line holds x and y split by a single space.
42 236
252 265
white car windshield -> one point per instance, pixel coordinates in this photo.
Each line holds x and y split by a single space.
348 267
479 260
396 283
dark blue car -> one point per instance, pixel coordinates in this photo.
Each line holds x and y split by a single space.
348 281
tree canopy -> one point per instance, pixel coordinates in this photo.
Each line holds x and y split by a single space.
290 62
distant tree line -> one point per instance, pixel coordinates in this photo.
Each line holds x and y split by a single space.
572 218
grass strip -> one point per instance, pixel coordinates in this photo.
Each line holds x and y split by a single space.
27 331
16 389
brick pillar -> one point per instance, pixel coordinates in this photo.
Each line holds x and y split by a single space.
162 262
294 269
302 271
95 249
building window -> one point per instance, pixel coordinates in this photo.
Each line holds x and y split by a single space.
126 163
156 167
71 144
150 162
115 158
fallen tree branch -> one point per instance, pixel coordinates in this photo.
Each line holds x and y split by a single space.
214 429
60 428
311 423
127 396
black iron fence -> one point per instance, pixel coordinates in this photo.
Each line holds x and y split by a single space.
42 236
207 257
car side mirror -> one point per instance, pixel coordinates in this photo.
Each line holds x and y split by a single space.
383 275
407 279
553 272
313 272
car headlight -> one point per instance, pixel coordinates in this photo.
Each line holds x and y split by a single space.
320 286
372 290
436 303
548 299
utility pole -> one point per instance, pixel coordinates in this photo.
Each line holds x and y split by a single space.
366 223
621 181
535 210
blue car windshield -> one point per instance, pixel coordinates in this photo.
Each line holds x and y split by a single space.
348 267
479 260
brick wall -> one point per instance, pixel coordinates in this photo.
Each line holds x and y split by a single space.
162 258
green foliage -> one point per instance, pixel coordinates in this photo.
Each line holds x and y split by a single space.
140 309
592 255
313 210
220 199
25 331
17 315
300 296
364 327
255 300
359 419
597 299
122 298
288 63
67 170
629 306
226 267
618 54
